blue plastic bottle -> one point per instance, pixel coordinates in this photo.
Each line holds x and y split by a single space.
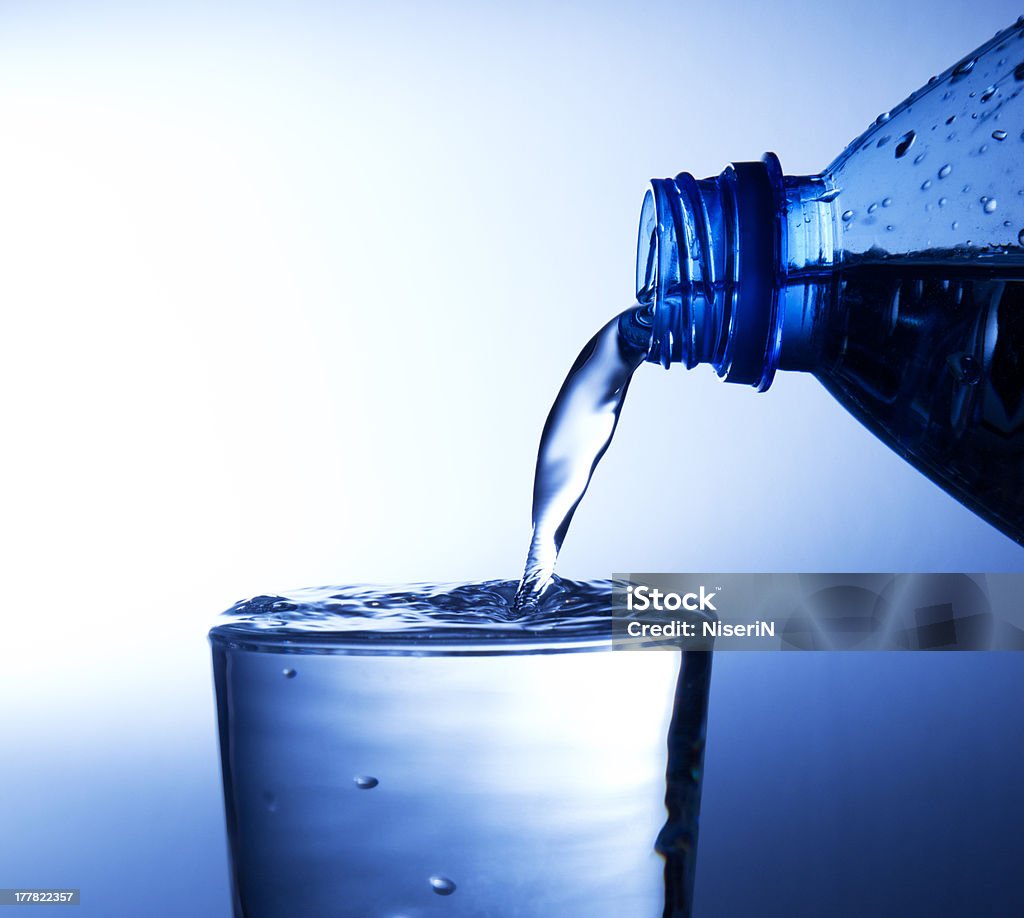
896 277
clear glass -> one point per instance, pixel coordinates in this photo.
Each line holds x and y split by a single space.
471 778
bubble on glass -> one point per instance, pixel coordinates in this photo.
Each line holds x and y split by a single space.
945 170
999 135
442 885
847 216
365 782
988 93
942 202
926 184
872 208
990 206
886 202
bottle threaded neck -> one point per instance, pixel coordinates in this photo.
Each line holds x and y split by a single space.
708 258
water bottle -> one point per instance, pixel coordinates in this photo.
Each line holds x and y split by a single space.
895 276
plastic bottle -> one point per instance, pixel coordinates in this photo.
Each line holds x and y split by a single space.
895 276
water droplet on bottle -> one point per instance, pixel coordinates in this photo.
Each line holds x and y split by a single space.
926 184
956 224
365 782
965 367
1018 72
945 170
942 202
889 227
983 148
1020 238
872 208
442 885
289 673
990 205
919 159
951 119
882 141
882 118
963 68
965 189
904 144
830 195
999 135
932 79
988 93
886 202
847 216
1007 223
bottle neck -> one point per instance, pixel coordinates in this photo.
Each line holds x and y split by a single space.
732 269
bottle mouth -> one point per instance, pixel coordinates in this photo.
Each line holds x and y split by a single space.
662 282
706 270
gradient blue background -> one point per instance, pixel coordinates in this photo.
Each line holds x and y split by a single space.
287 291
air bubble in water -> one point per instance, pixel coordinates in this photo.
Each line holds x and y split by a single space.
999 135
904 144
945 170
365 782
289 673
441 885
966 368
990 205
